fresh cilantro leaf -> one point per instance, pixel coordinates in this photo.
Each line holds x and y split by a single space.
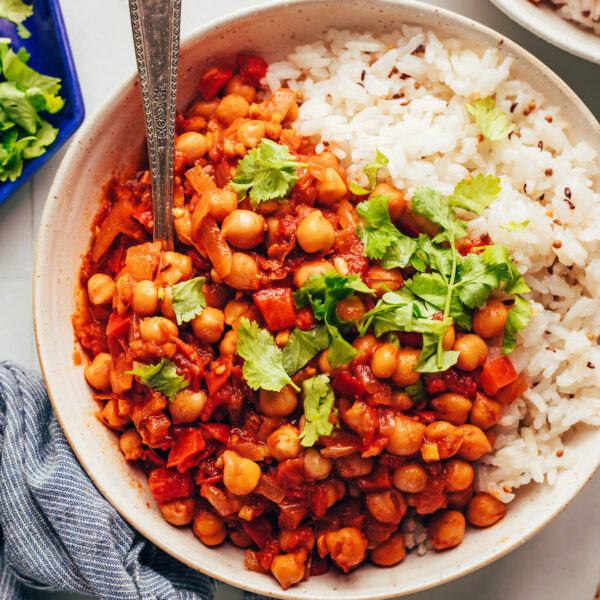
371 170
399 253
431 287
16 11
340 351
432 361
302 346
263 360
417 391
430 204
318 404
161 377
491 120
188 299
476 193
512 226
393 318
477 278
267 172
515 284
518 316
432 255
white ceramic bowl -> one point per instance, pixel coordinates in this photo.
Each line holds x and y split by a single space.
110 143
546 23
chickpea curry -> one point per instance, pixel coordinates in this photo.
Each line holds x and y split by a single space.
316 361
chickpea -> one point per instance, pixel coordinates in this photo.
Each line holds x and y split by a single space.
346 546
145 298
404 375
240 475
278 404
411 478
272 230
381 280
451 407
489 321
101 289
485 412
182 262
203 108
390 552
323 363
97 373
240 538
130 444
251 133
232 107
158 330
244 274
387 507
396 202
353 465
228 343
193 144
209 325
484 510
446 529
290 541
209 528
473 351
449 338
268 207
316 465
317 267
292 113
284 443
236 309
223 201
405 435
445 436
178 512
243 229
459 475
365 343
315 233
329 159
166 304
384 361
112 417
475 443
402 401
332 188
458 500
289 569
187 406
236 86
350 308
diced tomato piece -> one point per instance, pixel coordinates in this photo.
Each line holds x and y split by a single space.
219 431
252 68
169 484
378 480
497 374
347 386
375 446
213 80
434 383
277 308
213 479
425 416
512 391
179 162
259 530
460 383
118 325
215 382
305 320
154 429
151 456
189 444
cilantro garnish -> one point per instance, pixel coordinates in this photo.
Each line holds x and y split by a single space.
371 170
188 299
263 360
161 377
302 346
512 226
475 194
518 317
267 172
491 120
318 405
322 293
16 11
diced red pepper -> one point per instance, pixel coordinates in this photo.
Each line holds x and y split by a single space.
277 308
378 480
151 456
259 530
512 391
347 386
118 325
213 80
375 446
305 319
497 374
434 383
460 383
215 382
218 431
213 479
169 484
252 68
425 416
188 445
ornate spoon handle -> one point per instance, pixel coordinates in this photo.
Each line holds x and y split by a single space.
155 26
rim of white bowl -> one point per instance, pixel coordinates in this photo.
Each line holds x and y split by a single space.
44 230
552 27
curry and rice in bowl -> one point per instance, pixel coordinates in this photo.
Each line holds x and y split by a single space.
379 319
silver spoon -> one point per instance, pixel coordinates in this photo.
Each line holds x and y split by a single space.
155 27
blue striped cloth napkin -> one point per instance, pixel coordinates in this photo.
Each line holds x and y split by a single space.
57 531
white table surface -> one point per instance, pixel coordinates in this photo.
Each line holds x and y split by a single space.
560 563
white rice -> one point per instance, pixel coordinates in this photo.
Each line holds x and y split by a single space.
583 12
430 139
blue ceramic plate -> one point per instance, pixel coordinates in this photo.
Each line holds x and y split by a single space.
50 55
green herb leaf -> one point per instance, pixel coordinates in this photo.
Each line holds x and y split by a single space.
512 226
18 107
477 279
263 366
371 170
318 405
518 316
491 120
161 377
432 361
430 204
16 11
188 299
431 287
417 391
267 172
302 346
476 193
357 190
340 351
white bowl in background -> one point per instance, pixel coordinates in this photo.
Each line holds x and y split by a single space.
111 142
546 23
